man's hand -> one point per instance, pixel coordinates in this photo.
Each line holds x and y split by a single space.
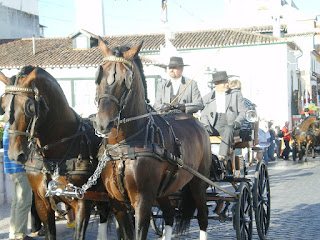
236 125
181 107
165 108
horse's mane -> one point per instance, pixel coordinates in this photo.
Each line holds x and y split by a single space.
26 70
118 52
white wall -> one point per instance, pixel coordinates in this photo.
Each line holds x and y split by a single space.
19 22
29 6
89 16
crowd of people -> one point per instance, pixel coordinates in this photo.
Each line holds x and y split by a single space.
223 113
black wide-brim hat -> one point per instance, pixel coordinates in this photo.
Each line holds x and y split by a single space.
176 62
220 77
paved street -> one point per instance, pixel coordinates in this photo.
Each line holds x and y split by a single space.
295 207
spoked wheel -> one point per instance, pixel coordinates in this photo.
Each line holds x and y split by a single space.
242 219
157 221
261 199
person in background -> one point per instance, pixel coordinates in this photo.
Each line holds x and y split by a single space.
305 114
286 139
278 140
224 112
271 140
264 137
22 194
178 92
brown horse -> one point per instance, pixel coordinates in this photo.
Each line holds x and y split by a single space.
53 143
140 147
304 137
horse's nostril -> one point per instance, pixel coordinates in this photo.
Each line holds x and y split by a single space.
21 159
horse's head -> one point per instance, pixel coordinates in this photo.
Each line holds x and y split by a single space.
116 85
21 105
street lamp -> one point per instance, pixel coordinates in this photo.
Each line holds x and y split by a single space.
209 72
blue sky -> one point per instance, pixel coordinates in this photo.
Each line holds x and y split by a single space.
143 16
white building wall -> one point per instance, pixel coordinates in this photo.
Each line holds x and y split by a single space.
89 16
19 19
29 6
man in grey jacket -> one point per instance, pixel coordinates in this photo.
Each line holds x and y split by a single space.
224 111
178 92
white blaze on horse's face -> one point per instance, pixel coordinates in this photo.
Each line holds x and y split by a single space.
111 94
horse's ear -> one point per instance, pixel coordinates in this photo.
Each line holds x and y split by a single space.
30 78
133 52
104 48
4 79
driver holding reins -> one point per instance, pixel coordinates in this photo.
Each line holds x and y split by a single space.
178 92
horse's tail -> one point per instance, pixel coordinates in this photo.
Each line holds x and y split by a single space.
186 210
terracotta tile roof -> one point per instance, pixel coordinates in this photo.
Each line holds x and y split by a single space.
58 52
264 29
300 34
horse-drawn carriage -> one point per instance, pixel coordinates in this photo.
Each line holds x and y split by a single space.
239 197
144 158
305 138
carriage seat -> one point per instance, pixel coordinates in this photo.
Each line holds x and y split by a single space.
236 139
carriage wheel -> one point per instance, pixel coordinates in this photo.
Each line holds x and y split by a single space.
294 151
261 199
243 213
157 221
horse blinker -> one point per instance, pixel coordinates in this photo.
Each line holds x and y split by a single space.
99 74
30 108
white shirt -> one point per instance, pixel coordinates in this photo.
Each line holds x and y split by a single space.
176 85
221 102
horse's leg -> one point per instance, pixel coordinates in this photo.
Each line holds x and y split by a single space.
82 210
142 206
124 219
198 191
307 150
46 215
168 216
104 213
300 150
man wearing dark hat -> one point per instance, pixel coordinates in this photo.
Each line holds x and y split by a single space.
224 111
178 92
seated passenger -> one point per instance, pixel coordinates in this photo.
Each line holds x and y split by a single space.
224 111
245 131
178 92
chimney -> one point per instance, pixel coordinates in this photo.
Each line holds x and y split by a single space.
276 5
90 16
33 45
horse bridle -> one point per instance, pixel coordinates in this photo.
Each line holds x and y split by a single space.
31 108
125 96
